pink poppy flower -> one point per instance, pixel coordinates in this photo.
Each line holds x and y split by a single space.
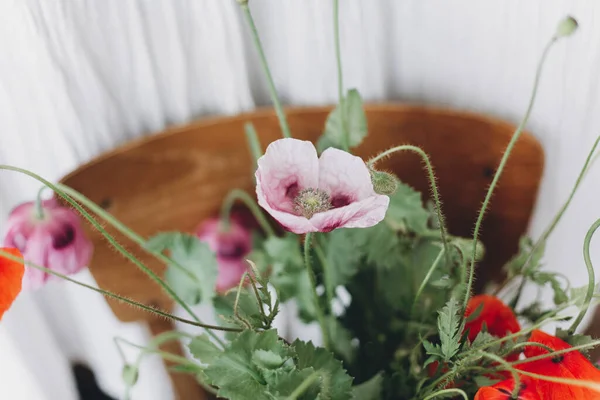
306 193
231 248
56 240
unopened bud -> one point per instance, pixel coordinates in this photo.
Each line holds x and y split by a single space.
130 375
566 27
384 182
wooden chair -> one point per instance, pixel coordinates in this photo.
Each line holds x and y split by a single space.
174 180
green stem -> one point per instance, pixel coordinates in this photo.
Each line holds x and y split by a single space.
591 385
285 129
340 74
329 289
114 296
253 142
445 392
548 231
238 194
304 386
112 241
555 353
591 276
236 303
508 367
39 209
124 229
313 283
426 280
500 169
432 183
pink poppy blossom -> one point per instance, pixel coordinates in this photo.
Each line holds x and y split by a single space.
55 240
306 193
231 246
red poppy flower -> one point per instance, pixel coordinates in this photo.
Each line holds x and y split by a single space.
571 365
498 318
503 391
11 278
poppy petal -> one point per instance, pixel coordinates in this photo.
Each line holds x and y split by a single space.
11 278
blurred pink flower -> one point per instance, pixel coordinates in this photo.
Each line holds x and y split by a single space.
306 193
231 247
56 241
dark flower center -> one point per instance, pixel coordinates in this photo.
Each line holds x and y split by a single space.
64 237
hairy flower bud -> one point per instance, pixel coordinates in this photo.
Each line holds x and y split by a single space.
384 182
566 27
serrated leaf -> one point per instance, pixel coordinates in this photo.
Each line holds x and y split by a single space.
406 211
369 390
235 372
267 359
449 323
196 258
356 122
336 384
286 384
433 349
203 349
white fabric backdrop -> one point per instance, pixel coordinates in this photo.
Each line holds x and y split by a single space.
78 77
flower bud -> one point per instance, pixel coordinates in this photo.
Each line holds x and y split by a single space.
130 375
384 182
54 239
231 247
566 27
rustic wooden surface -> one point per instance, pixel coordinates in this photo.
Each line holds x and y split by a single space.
174 180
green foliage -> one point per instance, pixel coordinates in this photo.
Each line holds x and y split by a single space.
203 349
196 258
575 340
450 328
369 390
525 260
406 212
356 123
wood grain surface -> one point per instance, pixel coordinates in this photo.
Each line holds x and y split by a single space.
174 180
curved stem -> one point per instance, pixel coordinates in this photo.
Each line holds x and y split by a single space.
124 229
555 353
591 276
253 142
39 209
112 241
500 169
444 392
508 367
313 284
426 280
114 296
432 183
237 194
548 231
340 74
285 129
591 385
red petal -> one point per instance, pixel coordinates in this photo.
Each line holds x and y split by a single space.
11 278
503 391
497 316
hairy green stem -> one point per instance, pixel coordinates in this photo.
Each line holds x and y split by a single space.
555 353
591 385
112 241
432 183
39 209
285 129
114 296
236 303
508 367
340 74
238 194
432 269
124 229
591 276
313 283
329 289
500 169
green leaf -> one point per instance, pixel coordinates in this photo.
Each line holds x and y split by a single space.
248 309
286 384
203 349
575 340
449 324
483 381
517 264
235 372
196 258
356 123
344 250
433 349
406 211
267 359
369 390
336 384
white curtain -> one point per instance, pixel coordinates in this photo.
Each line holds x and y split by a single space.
78 77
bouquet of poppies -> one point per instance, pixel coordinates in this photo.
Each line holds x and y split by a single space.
360 254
